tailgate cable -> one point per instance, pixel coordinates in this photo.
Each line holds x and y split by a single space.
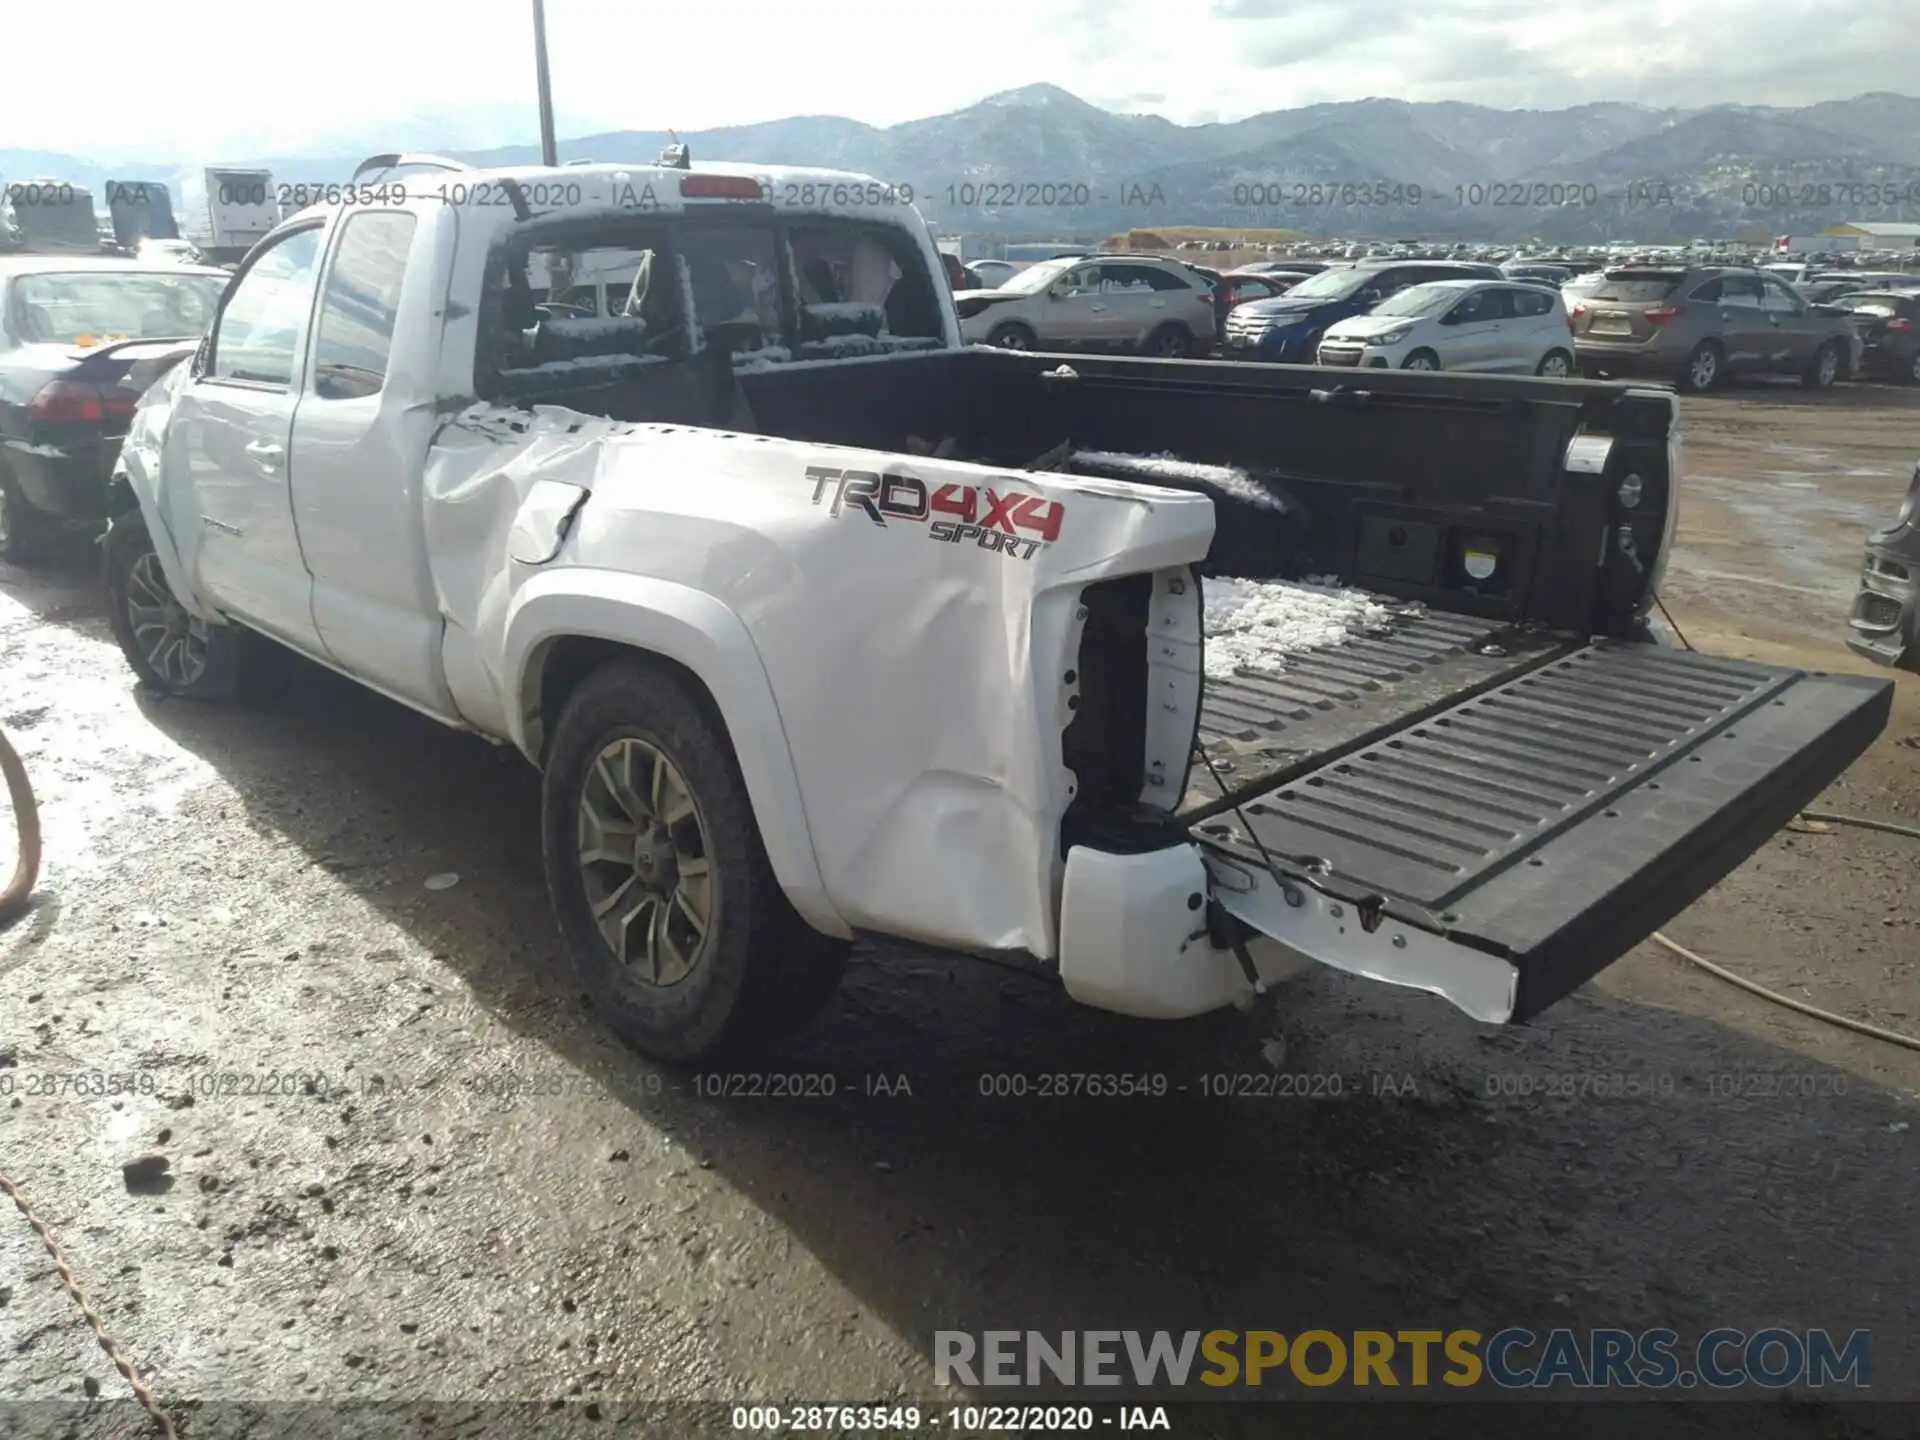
1228 934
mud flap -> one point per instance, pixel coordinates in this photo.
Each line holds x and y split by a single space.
1502 851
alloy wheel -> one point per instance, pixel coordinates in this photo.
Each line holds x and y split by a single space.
1706 365
644 862
173 642
1555 367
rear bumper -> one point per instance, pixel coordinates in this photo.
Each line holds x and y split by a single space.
1884 624
1627 359
1893 362
70 482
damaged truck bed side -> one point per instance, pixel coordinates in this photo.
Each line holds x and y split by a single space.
818 623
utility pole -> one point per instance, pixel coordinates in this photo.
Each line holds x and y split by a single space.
549 147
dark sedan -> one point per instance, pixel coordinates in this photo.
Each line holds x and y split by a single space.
71 329
1888 323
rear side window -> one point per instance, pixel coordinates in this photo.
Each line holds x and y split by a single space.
1138 277
1529 304
359 305
1636 287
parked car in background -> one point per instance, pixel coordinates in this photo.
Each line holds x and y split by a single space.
1287 329
1701 324
71 329
1885 623
1888 324
1500 326
1237 287
1102 302
1825 291
1555 275
956 273
993 273
1299 267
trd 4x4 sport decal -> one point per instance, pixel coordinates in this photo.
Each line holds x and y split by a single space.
1010 521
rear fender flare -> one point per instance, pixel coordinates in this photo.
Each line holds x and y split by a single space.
697 631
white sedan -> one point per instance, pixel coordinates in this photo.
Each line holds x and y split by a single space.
1499 326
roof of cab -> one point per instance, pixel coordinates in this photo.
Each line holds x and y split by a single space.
609 184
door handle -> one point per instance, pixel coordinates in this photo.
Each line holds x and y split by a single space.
265 451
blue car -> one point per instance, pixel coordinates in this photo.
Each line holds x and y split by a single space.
1287 328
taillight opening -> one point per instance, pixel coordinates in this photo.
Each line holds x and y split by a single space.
1662 314
1900 323
79 402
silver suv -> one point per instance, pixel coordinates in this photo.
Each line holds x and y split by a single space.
1094 302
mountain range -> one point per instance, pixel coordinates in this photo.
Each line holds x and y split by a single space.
1040 163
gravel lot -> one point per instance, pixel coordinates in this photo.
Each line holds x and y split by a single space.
407 1165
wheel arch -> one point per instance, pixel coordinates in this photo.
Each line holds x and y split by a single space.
564 625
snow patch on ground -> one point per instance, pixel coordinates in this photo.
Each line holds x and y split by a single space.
1166 466
1257 624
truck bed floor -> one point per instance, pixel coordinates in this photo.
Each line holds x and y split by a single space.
1261 727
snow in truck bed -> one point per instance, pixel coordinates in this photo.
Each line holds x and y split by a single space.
1256 624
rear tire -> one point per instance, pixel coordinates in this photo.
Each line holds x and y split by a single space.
1825 368
1555 365
713 959
1013 336
1171 342
25 532
169 650
1913 369
1421 360
1705 368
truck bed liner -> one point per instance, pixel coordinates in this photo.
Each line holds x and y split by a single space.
1560 816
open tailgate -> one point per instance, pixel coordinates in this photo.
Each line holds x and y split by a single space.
1501 850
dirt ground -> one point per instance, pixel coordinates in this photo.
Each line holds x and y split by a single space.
407 1165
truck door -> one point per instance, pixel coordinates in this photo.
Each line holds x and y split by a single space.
233 520
360 439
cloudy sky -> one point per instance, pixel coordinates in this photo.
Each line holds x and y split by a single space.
230 78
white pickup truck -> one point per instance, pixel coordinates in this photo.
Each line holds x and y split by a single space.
818 622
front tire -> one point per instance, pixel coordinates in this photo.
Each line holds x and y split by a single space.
1421 360
676 924
171 651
